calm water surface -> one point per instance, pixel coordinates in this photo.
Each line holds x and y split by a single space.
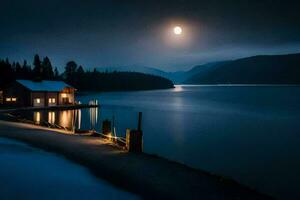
29 173
249 133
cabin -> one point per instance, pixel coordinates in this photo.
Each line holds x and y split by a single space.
27 93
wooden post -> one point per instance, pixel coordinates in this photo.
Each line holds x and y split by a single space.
140 122
134 141
127 138
46 99
134 138
106 127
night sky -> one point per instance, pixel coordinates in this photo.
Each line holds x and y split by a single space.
137 32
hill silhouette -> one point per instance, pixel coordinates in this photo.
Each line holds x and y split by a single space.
275 69
80 79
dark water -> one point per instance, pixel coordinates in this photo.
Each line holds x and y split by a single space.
29 173
249 133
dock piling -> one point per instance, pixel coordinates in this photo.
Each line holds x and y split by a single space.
134 138
140 122
134 141
106 127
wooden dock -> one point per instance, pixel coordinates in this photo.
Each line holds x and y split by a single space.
60 107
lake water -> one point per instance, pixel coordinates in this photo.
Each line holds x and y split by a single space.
29 173
248 133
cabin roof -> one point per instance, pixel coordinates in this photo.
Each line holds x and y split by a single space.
50 86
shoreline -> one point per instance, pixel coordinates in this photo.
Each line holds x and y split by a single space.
238 85
146 175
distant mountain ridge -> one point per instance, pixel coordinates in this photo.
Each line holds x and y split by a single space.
262 69
176 77
269 69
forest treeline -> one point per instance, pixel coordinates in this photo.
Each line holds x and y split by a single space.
76 76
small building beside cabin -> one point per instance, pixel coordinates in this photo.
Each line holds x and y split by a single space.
38 94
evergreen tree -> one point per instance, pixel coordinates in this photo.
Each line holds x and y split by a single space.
18 70
24 64
37 70
7 61
6 72
56 73
13 66
80 70
70 72
80 73
26 71
47 72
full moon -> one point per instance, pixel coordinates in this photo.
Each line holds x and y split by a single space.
177 30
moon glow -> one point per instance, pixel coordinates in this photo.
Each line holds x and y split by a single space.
177 30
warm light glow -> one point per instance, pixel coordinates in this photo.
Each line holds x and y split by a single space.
38 100
93 117
79 118
63 95
9 99
177 30
65 118
51 117
51 100
37 117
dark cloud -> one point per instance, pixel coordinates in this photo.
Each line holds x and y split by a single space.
125 32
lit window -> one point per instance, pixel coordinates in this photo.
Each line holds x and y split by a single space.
38 100
14 99
63 95
51 100
8 99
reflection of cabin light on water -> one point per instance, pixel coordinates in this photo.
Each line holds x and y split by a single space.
51 117
69 118
65 118
79 119
37 117
93 117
